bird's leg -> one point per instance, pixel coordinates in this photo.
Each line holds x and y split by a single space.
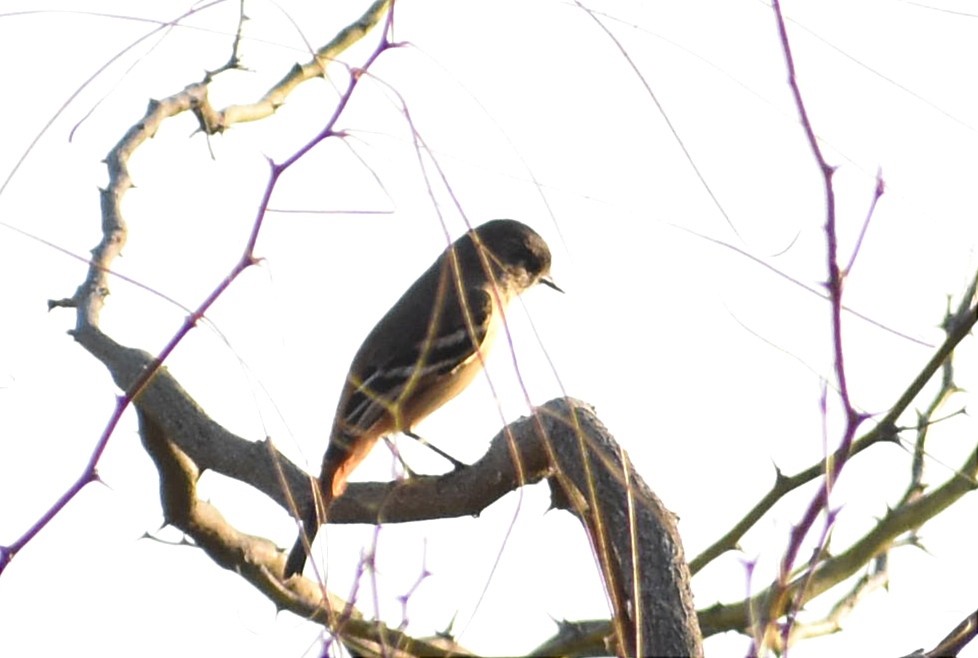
456 464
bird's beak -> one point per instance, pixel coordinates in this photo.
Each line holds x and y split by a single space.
547 281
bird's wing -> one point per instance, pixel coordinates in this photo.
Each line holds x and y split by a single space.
449 341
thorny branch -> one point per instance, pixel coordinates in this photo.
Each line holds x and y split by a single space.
90 296
184 441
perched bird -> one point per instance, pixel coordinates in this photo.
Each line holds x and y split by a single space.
425 351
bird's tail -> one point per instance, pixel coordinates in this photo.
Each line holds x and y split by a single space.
314 516
342 456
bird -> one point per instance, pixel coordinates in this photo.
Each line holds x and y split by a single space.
427 348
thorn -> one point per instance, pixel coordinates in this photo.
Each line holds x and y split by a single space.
449 630
96 478
780 479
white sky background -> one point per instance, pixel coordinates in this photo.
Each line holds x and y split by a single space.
703 364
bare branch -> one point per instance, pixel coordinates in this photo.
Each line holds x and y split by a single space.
563 441
90 295
259 561
959 325
215 121
833 570
956 640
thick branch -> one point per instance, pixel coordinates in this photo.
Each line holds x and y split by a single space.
470 490
632 532
259 561
204 441
636 537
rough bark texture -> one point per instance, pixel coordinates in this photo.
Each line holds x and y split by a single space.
633 535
